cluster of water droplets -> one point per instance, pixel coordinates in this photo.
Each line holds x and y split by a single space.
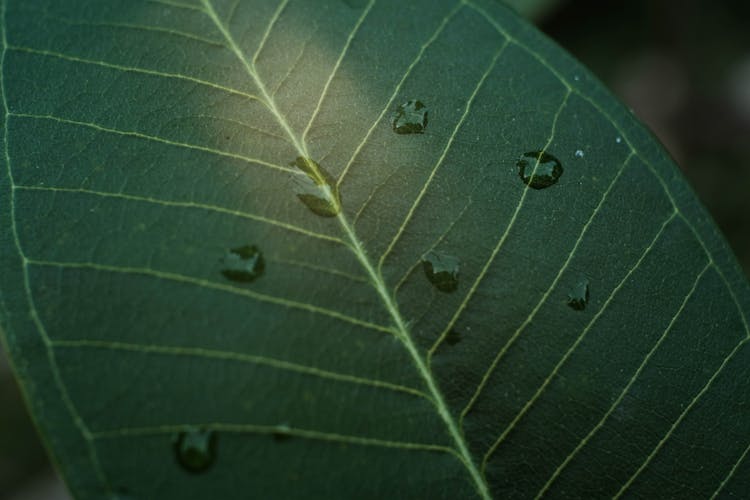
316 188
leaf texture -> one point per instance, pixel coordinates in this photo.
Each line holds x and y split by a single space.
144 141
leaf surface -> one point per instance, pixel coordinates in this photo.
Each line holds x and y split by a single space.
226 275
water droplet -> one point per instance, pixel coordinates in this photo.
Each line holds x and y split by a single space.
576 78
579 153
579 295
316 189
282 433
195 449
548 169
442 270
618 140
243 264
453 337
410 118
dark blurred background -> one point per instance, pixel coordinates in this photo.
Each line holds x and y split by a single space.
683 66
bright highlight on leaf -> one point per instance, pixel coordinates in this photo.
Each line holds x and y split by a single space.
238 261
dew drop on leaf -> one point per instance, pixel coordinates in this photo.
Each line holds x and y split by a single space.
243 264
410 118
442 270
195 449
282 433
579 295
316 189
548 169
579 153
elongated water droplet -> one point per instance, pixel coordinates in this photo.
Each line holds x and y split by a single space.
548 169
282 433
195 449
316 189
442 270
243 264
579 295
410 118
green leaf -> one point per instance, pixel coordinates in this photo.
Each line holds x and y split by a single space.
354 249
533 10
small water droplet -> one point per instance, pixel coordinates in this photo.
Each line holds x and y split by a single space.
579 295
195 449
453 337
410 118
282 433
548 169
316 189
243 264
442 270
618 140
579 153
576 78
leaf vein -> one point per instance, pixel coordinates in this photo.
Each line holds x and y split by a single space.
180 278
184 204
680 418
499 244
439 162
544 297
199 352
627 387
575 344
269 27
396 90
139 27
731 472
67 402
335 69
272 430
140 135
624 136
133 69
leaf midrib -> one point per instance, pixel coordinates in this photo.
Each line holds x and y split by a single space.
401 330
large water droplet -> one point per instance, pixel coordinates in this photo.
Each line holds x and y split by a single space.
548 169
579 295
316 189
410 118
195 449
243 264
442 270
